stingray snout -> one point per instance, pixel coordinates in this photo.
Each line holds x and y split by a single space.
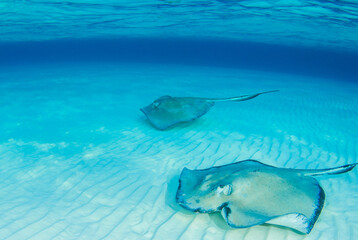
144 110
180 198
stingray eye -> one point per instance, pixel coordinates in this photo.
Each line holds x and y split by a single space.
224 189
155 104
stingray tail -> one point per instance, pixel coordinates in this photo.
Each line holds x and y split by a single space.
329 171
239 98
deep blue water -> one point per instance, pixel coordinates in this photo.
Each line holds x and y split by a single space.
319 62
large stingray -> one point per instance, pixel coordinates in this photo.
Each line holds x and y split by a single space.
249 193
168 111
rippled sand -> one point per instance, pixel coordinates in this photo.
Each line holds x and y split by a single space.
78 160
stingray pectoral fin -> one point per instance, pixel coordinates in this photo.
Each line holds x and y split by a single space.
237 218
240 219
276 196
295 221
239 98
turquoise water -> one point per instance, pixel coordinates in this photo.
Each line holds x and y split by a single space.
78 160
291 22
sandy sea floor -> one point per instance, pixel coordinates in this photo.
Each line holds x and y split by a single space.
78 160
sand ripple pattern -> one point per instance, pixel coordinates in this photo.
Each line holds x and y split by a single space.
119 181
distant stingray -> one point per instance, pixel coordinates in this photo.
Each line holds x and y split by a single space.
249 193
168 111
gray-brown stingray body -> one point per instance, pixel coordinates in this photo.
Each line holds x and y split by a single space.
168 111
249 193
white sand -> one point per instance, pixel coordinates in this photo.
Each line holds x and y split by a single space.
78 160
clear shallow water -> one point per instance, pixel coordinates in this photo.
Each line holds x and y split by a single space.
316 23
78 160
